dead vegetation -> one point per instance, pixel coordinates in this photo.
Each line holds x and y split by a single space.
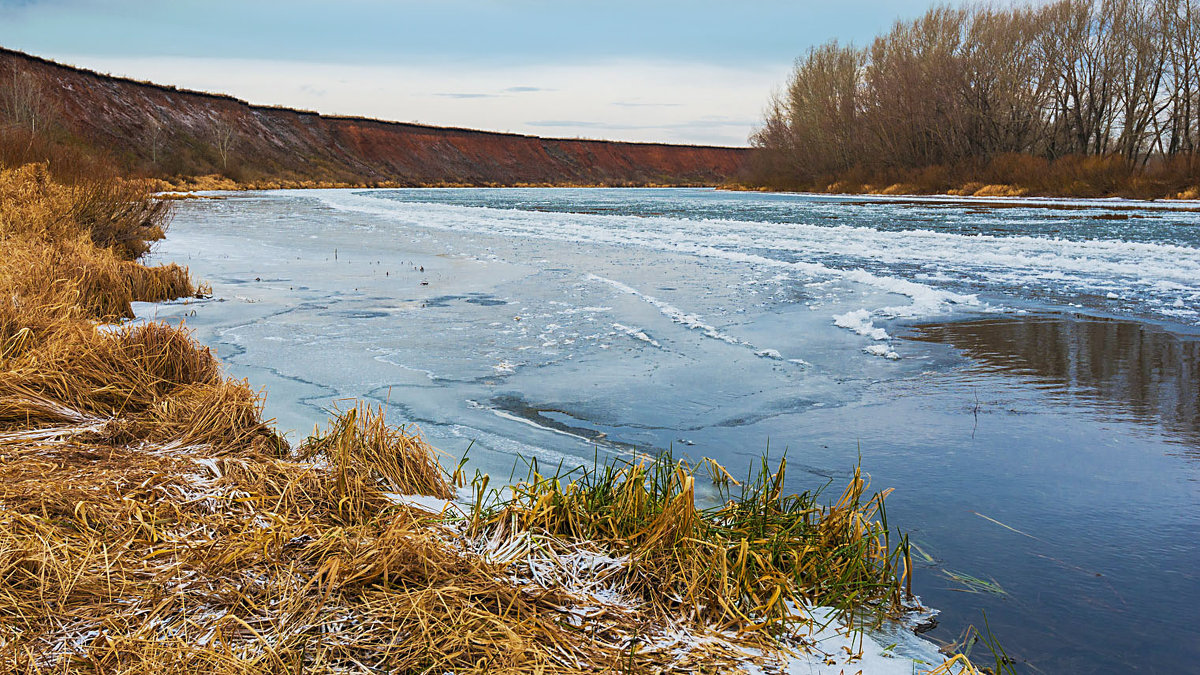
162 552
152 522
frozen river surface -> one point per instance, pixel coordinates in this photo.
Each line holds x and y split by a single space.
1026 374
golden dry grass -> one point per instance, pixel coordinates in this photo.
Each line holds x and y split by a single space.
168 557
399 460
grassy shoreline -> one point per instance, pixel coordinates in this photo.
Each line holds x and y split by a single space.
183 188
972 189
1006 175
151 521
217 182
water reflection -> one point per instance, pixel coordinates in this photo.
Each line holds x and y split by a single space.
1129 369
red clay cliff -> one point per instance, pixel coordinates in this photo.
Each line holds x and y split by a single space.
167 132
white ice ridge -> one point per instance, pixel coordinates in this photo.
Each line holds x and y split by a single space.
885 246
673 313
636 334
683 318
721 239
1084 267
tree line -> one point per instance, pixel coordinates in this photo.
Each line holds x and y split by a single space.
1110 87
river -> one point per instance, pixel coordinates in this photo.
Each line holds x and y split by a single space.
1024 373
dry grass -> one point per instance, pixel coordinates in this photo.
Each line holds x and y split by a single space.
209 182
76 244
1008 175
139 556
182 187
168 557
152 522
361 437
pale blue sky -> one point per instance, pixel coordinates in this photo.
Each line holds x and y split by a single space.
674 71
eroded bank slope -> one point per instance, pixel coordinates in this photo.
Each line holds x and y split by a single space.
174 134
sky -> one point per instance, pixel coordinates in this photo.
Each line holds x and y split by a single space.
672 71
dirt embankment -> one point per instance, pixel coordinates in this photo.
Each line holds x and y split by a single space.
167 132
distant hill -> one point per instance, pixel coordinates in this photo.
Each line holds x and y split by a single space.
163 131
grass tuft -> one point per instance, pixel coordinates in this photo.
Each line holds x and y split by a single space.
753 562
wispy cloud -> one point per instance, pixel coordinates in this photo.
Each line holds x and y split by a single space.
701 123
636 104
502 92
566 123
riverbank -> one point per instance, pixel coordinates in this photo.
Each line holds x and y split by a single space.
1008 175
152 521
219 182
977 190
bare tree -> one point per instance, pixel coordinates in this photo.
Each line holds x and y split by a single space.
1181 23
1139 72
1007 86
822 101
776 161
154 135
912 104
961 86
24 105
224 138
809 131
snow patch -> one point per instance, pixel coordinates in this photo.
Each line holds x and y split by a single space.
425 503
